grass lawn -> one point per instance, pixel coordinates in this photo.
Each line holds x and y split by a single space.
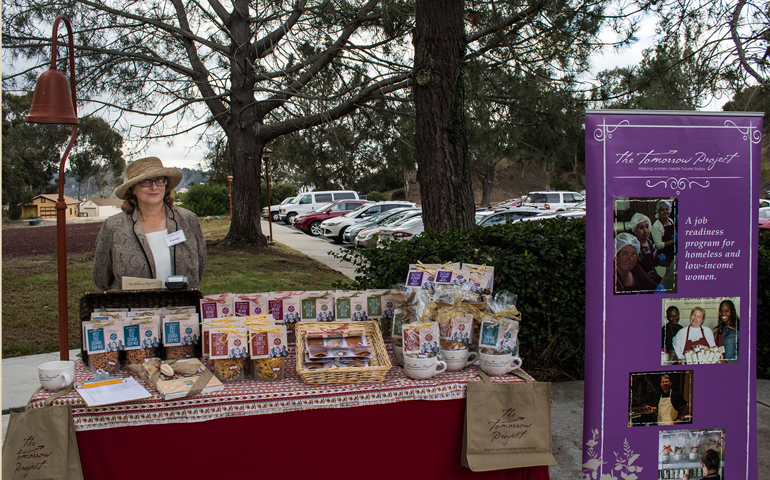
30 296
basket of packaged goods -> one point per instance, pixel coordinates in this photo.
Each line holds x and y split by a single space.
140 308
341 352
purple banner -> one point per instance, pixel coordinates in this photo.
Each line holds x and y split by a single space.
671 275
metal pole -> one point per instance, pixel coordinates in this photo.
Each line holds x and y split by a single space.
230 182
61 254
269 204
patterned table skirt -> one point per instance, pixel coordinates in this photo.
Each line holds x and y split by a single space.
249 397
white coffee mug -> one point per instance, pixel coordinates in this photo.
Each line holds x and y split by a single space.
457 360
423 368
56 375
398 355
499 364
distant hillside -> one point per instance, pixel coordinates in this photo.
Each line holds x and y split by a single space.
190 177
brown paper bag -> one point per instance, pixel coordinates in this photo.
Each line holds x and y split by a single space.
40 443
507 425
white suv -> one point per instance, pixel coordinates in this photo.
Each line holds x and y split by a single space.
335 227
306 202
554 201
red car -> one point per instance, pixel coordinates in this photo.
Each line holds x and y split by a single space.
310 222
764 219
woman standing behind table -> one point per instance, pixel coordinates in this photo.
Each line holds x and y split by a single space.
152 238
726 331
664 231
694 334
649 258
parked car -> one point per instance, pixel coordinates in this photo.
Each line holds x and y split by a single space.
547 215
306 202
764 218
512 202
579 207
334 228
509 215
405 229
379 219
276 209
553 200
764 203
367 236
310 222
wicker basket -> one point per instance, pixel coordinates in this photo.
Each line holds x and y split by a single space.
380 363
134 299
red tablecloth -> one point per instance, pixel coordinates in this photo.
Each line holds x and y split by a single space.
288 429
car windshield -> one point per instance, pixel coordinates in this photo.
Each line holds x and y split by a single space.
398 216
381 216
408 222
294 200
543 198
764 214
323 207
353 213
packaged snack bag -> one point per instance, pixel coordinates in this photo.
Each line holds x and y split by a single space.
317 306
480 277
103 339
228 352
499 331
142 338
350 305
251 304
268 350
422 276
216 306
181 335
421 340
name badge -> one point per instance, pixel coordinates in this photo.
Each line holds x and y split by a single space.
176 237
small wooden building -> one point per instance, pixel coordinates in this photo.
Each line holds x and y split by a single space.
44 206
101 207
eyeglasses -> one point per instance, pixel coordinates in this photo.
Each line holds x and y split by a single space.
161 182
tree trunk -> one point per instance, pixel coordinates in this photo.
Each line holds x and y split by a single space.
243 128
487 179
442 159
246 153
410 179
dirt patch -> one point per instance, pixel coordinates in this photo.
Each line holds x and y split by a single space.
41 240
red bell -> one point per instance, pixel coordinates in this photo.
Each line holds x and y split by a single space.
52 100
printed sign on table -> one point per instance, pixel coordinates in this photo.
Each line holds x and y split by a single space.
671 290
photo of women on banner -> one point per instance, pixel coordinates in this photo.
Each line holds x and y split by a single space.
700 453
660 398
421 340
708 336
645 245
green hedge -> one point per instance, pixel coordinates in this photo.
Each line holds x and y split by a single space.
207 200
763 307
544 264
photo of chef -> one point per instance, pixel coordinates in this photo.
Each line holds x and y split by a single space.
660 398
644 245
700 330
699 452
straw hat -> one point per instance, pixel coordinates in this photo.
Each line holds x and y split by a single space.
146 169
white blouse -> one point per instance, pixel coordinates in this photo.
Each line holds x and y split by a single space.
161 253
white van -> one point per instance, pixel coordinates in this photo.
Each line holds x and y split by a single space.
305 202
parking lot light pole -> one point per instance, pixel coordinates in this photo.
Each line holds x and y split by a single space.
230 182
266 154
54 101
